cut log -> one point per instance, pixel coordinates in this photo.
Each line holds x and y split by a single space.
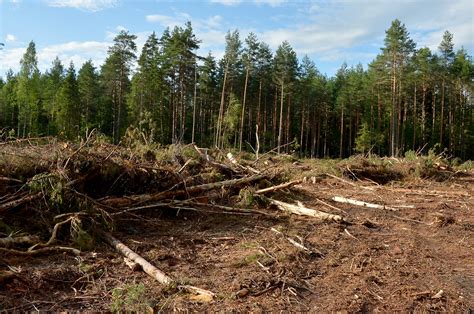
302 210
341 199
148 268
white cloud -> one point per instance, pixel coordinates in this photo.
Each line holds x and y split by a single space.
164 20
10 38
86 5
272 3
227 2
78 52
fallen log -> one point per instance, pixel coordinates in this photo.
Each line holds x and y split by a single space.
302 210
190 191
341 199
148 268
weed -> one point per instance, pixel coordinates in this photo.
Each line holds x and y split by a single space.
130 298
249 259
246 197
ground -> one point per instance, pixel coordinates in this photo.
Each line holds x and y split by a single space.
418 258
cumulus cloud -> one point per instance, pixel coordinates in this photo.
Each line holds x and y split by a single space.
77 52
227 2
86 5
325 29
272 3
10 38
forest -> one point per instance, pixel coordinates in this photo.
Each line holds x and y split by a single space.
408 99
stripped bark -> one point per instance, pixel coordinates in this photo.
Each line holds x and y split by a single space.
148 268
341 199
302 210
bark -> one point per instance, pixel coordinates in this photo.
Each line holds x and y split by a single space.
281 116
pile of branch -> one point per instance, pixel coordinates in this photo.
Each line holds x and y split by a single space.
84 188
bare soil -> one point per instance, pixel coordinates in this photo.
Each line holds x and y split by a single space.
419 258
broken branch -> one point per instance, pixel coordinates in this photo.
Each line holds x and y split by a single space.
341 199
302 210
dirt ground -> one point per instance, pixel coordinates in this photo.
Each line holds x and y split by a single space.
418 258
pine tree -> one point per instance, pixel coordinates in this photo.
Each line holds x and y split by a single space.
230 67
115 73
68 119
285 66
28 93
89 96
398 48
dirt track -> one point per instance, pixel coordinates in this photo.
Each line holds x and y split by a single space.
380 261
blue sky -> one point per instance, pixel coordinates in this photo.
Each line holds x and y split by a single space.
330 32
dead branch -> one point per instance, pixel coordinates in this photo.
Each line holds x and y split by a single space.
193 190
278 187
300 209
10 180
234 162
341 199
148 268
296 243
45 250
274 149
18 241
350 183
330 206
17 202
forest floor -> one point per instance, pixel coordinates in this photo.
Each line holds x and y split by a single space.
417 254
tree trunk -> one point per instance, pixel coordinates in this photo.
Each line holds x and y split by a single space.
341 140
415 120
218 140
242 115
194 103
441 126
281 117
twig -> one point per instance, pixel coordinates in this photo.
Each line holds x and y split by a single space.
330 206
350 183
350 235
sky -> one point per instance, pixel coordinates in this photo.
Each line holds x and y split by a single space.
329 32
